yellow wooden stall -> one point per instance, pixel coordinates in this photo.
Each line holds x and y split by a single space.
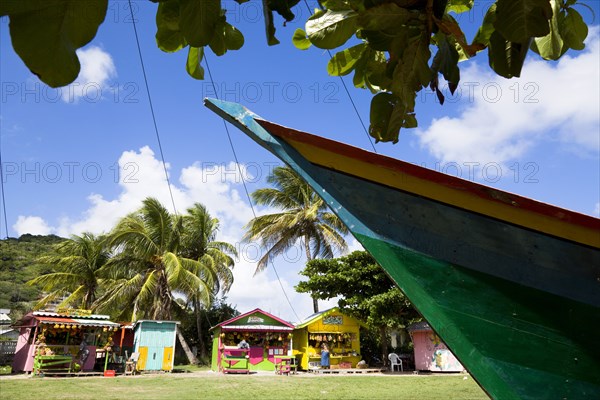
341 333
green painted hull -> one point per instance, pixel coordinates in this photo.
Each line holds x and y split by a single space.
519 308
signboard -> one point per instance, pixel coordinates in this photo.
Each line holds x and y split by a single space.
255 320
333 320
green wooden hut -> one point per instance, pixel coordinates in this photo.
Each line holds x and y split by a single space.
268 338
155 342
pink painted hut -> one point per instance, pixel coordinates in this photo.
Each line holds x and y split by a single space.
431 354
268 337
62 334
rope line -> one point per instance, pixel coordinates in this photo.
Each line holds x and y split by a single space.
162 156
244 181
348 92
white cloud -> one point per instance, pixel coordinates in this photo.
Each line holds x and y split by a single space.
31 224
597 210
501 119
218 187
97 69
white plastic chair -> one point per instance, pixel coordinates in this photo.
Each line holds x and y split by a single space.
395 361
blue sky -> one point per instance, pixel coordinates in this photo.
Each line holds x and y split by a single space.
79 158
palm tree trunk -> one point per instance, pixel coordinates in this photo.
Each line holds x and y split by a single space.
308 258
201 344
190 356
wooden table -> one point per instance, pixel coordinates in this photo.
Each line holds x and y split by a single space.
285 364
54 363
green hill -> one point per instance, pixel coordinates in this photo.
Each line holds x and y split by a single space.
17 266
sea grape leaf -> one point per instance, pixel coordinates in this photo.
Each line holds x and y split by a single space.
446 62
269 24
300 40
487 27
198 20
47 34
519 20
234 39
551 46
385 17
283 8
450 27
343 62
506 58
193 65
331 29
459 6
573 29
384 126
168 36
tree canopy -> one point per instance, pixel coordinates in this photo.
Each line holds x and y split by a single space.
400 47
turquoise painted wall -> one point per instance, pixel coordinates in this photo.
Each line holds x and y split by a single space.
156 335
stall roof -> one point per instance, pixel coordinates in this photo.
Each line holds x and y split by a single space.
47 317
285 324
316 316
257 328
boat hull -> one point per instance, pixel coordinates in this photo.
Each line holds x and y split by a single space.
516 305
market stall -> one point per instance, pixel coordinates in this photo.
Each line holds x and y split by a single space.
250 342
155 343
431 354
64 342
341 333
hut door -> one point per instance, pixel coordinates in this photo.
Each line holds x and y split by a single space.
141 364
167 363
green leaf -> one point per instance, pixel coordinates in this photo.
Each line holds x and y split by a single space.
412 71
459 6
343 62
385 17
331 29
168 35
47 34
283 8
446 60
386 117
519 20
300 40
217 43
487 27
198 20
194 59
573 29
269 25
234 40
506 58
551 46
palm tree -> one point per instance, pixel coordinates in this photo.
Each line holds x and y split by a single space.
76 271
198 243
148 269
304 216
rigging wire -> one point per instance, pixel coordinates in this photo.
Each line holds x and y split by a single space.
162 156
3 189
244 181
348 93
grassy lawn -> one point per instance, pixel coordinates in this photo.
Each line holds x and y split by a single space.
218 386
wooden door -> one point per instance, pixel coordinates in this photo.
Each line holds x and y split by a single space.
167 364
141 364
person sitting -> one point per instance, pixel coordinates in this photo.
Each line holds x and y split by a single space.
243 345
324 356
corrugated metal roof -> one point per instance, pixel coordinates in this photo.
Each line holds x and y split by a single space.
257 328
77 321
66 315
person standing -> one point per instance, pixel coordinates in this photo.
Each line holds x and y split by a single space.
325 356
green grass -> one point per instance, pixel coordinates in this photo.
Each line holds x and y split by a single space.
5 369
219 386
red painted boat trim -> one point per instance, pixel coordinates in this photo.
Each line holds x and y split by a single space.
482 191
